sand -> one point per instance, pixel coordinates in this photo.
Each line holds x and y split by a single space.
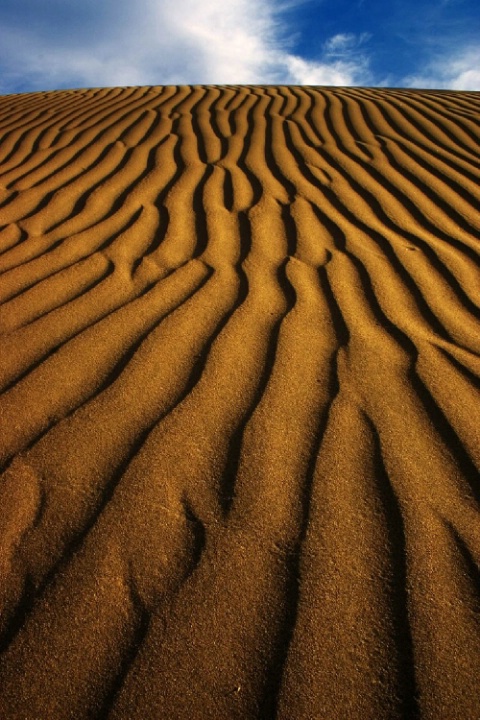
240 404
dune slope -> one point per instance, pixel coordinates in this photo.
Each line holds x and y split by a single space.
240 404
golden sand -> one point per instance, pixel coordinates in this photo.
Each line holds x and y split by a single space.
240 405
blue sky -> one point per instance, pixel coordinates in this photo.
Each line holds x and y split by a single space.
53 44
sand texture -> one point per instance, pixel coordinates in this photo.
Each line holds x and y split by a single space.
240 404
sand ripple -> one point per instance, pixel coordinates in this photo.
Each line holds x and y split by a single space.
239 404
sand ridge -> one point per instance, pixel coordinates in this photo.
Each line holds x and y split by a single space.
239 403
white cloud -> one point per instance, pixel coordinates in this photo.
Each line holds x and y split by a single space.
344 44
458 71
151 42
304 72
228 42
169 42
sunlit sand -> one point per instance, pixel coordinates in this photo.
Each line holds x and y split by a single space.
239 409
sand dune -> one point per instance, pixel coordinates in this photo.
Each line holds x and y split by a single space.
240 404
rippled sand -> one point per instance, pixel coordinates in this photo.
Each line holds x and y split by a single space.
240 407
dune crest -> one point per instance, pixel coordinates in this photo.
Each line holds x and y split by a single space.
239 404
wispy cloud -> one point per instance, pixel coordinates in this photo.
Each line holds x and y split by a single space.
456 71
339 72
344 44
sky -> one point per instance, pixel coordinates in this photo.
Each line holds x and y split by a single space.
63 44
